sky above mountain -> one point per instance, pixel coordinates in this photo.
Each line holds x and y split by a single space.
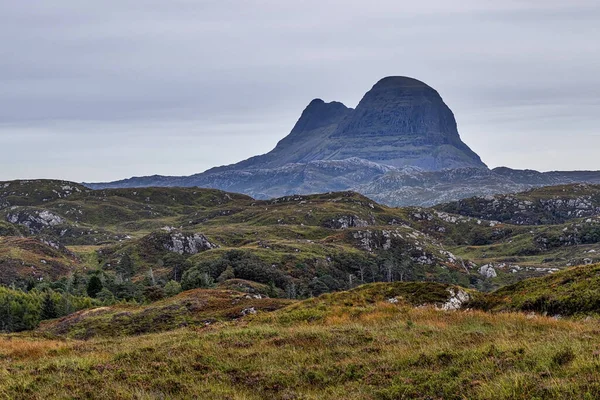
96 91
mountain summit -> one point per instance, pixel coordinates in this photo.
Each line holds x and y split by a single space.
402 121
399 122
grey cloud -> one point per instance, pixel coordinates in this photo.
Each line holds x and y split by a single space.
86 82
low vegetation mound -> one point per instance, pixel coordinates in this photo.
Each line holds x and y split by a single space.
574 291
199 307
32 259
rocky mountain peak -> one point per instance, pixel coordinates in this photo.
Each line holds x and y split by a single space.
399 82
402 121
320 114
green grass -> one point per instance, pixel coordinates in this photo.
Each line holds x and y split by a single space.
197 307
360 347
575 291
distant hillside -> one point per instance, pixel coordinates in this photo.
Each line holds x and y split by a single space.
299 246
547 205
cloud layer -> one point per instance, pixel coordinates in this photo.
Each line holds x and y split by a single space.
107 90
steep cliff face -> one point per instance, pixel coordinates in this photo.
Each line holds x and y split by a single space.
309 140
400 122
403 122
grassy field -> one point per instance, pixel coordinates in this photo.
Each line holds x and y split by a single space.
347 345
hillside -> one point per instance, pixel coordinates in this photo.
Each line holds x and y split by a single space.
309 242
541 206
378 341
575 291
299 245
194 308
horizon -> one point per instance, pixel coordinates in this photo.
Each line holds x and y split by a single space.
103 93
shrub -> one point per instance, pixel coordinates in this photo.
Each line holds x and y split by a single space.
172 288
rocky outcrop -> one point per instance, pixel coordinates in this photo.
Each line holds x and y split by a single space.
488 271
345 222
179 242
189 244
536 207
35 220
457 298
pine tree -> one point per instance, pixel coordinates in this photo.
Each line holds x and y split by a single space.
272 291
48 308
94 286
126 267
106 296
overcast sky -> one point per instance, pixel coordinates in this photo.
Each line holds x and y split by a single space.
103 90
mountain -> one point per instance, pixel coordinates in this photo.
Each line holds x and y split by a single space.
400 146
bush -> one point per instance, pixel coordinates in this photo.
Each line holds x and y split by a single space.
196 278
154 293
172 288
227 274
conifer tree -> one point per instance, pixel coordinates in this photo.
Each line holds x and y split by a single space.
126 267
94 286
48 308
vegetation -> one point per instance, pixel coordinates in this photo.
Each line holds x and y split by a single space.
21 311
183 293
573 292
348 345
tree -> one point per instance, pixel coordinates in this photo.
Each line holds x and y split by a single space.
154 293
127 290
106 296
172 288
94 286
126 267
272 290
389 266
290 290
48 308
195 278
227 274
317 287
151 277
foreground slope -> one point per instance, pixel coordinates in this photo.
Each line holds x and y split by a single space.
199 307
349 345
